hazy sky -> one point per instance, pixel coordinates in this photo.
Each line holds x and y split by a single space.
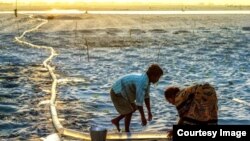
235 2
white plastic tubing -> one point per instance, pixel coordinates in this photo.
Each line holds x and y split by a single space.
53 111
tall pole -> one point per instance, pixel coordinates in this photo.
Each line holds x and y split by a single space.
16 9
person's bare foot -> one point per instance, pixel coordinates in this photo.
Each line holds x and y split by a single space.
116 123
127 131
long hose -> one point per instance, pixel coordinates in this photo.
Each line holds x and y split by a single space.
58 126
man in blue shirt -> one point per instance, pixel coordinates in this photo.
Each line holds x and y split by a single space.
130 91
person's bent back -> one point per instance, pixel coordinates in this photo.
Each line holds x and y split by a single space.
196 104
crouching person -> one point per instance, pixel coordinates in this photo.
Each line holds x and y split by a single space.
196 105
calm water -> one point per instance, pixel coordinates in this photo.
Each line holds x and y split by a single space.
201 51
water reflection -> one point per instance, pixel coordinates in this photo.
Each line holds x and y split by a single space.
189 55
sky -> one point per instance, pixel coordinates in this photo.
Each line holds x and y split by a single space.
216 2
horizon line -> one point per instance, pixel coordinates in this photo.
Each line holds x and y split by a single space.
133 12
134 3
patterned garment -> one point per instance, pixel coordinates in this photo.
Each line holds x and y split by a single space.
133 87
197 104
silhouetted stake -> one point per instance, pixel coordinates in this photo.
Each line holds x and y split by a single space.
82 46
159 51
130 33
76 33
15 11
87 48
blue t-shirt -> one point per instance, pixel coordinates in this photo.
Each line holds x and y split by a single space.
133 87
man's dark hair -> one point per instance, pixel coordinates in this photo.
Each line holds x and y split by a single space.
171 92
155 69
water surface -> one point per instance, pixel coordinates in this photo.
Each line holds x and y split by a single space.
205 49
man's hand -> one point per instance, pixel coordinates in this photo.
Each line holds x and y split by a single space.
150 116
134 106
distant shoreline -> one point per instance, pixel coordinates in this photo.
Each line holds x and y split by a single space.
120 7
196 12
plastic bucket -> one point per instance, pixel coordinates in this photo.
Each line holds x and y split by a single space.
98 133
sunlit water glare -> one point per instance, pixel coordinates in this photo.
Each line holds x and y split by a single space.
202 51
